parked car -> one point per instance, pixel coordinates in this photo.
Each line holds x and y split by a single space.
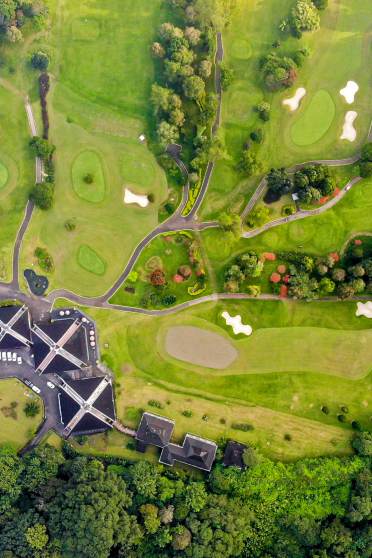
28 383
50 385
36 389
19 360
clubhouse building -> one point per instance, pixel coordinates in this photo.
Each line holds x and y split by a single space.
58 357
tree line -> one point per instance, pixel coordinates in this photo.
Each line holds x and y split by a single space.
57 504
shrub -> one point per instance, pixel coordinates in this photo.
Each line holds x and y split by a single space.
70 225
345 409
187 413
42 195
40 60
157 278
325 409
31 409
169 300
243 426
287 437
257 135
288 210
341 418
44 84
355 425
88 178
44 259
151 197
227 76
155 403
222 421
131 445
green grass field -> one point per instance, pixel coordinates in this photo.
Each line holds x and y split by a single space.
339 52
276 401
87 164
315 119
4 175
98 108
17 429
89 260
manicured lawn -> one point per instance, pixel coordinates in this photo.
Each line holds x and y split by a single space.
98 108
315 120
90 260
15 427
87 167
4 175
275 402
338 53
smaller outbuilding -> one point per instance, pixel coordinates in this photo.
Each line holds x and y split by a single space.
154 431
196 452
233 456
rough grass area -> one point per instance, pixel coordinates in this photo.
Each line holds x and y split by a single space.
275 403
315 119
16 429
98 108
90 260
4 175
88 179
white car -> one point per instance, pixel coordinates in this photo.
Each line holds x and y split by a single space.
9 355
50 385
14 357
19 360
36 389
3 356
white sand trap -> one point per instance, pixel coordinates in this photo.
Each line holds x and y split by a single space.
293 102
349 91
348 131
199 346
364 309
130 197
236 323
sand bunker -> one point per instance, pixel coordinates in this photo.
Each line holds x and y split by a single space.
349 91
293 102
199 346
348 131
130 197
236 323
364 309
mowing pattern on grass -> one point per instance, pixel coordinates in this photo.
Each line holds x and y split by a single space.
89 260
87 177
3 175
315 121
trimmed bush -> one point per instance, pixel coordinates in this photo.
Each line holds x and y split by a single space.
243 426
155 403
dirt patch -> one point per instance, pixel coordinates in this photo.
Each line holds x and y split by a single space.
200 347
126 368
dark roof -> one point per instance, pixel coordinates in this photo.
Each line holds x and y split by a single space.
84 387
21 326
89 424
234 454
155 430
105 402
59 364
56 329
197 452
68 407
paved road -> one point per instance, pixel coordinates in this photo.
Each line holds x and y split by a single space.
210 167
26 372
18 243
39 170
303 213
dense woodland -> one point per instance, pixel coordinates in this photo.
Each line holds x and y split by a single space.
60 504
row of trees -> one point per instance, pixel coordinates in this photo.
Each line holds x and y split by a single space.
42 194
14 13
55 505
183 106
311 183
308 277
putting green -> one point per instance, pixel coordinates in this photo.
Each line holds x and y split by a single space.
89 260
315 121
88 162
241 49
4 175
138 170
